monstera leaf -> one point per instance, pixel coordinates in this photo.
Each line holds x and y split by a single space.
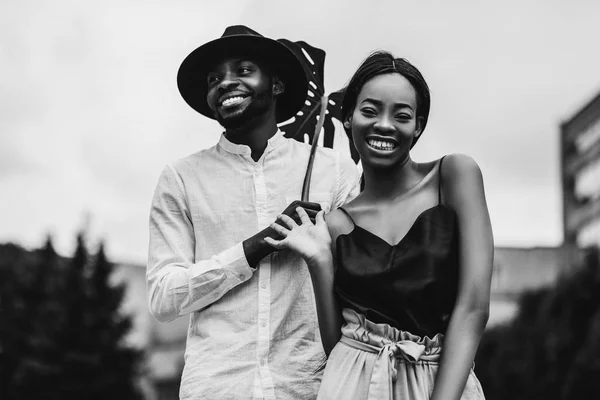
302 126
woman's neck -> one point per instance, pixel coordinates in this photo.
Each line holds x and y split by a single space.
391 183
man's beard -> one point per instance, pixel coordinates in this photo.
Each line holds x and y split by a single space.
258 107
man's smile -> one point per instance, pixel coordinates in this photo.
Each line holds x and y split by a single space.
232 99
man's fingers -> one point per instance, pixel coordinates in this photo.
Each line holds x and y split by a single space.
308 205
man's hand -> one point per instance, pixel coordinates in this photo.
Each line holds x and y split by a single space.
255 247
311 209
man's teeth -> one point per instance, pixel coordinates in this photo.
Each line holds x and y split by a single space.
381 145
232 100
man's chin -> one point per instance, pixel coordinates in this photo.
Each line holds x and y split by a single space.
241 119
233 121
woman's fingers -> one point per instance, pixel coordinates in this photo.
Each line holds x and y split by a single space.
320 218
283 231
275 243
289 222
304 218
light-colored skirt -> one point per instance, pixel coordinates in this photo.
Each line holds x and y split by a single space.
378 362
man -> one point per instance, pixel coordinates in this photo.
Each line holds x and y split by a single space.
253 330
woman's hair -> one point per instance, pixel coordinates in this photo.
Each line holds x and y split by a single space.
383 62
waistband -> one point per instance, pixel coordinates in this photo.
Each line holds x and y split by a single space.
390 345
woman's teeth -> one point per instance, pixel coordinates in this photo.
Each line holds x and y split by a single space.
381 145
232 101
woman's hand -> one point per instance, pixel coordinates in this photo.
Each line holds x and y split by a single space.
310 241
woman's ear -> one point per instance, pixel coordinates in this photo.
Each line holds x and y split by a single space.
348 123
419 129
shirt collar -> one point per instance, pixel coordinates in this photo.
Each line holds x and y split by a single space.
275 141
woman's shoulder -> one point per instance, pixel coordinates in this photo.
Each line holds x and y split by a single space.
459 162
460 175
339 220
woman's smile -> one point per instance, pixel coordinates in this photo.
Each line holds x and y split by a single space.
382 144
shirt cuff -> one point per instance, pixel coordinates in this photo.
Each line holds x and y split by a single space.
234 259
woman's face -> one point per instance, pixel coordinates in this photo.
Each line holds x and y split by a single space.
384 121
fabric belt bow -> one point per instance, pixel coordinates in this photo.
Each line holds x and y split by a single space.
385 368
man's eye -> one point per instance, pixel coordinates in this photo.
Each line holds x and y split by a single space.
212 79
245 70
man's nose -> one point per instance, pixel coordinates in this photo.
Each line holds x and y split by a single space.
228 82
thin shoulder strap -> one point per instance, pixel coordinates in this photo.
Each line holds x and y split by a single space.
347 214
440 180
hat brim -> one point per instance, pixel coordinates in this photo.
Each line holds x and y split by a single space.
192 82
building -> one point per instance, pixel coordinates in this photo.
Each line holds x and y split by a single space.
517 270
580 165
163 344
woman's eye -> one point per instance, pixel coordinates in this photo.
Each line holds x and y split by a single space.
368 111
403 117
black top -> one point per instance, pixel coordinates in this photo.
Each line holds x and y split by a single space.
412 285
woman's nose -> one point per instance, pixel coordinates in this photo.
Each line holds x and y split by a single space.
384 124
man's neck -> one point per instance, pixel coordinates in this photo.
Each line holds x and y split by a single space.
255 135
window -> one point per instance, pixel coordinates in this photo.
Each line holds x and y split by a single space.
589 235
588 137
587 182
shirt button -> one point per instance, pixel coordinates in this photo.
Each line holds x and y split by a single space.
263 323
262 362
263 285
242 276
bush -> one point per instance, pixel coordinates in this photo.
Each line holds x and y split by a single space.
551 350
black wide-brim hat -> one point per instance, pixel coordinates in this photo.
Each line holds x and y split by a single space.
240 40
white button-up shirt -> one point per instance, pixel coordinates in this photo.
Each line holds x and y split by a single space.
252 333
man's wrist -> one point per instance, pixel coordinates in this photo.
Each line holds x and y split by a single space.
255 247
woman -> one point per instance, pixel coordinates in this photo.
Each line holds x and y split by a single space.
406 266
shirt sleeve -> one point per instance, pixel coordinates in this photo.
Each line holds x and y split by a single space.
177 285
348 181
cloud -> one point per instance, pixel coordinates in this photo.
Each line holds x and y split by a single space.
90 113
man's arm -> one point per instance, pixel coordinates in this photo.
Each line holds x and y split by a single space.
176 284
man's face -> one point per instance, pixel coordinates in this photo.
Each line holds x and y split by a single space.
239 90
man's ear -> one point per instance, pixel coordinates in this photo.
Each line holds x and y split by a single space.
278 86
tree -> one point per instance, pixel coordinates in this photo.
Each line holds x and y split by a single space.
64 332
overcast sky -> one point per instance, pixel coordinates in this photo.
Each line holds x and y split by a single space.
90 112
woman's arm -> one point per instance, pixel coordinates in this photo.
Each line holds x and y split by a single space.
313 243
462 185
330 318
